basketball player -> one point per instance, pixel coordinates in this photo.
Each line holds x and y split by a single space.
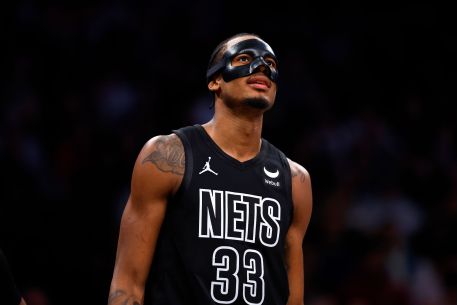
9 293
217 214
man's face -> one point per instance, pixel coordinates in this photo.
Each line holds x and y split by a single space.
256 89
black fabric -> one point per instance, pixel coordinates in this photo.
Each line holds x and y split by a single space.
229 220
9 294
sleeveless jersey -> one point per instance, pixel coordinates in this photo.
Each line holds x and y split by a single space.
222 239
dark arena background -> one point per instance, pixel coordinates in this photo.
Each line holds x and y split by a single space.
365 102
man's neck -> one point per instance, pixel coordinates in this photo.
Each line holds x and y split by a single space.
238 136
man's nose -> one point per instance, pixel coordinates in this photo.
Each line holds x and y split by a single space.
260 65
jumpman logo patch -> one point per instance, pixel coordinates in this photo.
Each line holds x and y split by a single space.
207 168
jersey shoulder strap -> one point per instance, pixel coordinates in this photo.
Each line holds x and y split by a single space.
187 135
276 153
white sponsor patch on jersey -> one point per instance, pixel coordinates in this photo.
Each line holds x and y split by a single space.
272 175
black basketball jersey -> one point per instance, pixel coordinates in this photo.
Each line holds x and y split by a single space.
222 240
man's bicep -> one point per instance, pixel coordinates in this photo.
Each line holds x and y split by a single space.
138 235
302 208
302 199
140 225
152 183
302 205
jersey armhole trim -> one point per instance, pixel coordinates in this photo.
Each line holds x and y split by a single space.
188 167
288 181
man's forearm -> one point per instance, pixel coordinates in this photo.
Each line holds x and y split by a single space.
120 297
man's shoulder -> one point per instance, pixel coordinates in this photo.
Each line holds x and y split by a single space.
163 140
298 171
172 139
166 152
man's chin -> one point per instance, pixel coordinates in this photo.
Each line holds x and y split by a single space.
257 103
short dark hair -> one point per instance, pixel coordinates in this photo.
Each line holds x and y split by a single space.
222 47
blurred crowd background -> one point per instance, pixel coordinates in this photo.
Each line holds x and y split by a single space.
365 103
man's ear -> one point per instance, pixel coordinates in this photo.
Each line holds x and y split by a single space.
214 84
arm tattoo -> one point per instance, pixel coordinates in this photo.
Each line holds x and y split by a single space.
120 297
168 155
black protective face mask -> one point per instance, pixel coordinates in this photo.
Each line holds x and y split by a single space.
253 47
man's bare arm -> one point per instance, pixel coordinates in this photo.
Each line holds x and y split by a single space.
302 202
167 155
157 173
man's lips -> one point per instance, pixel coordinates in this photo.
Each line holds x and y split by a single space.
259 81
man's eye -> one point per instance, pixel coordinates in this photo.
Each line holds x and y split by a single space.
271 63
244 58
